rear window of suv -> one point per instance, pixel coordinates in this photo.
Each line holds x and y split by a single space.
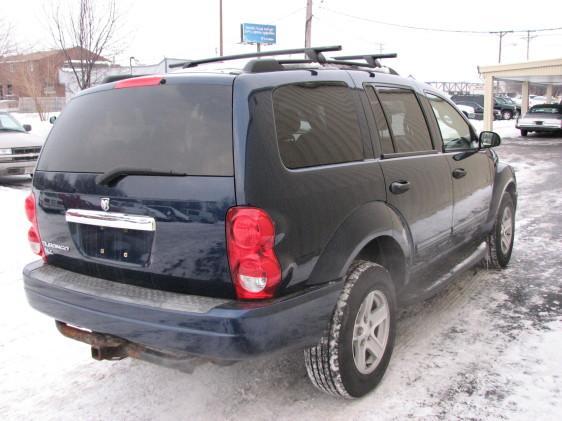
180 128
316 124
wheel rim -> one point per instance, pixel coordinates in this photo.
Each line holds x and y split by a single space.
370 332
506 230
506 115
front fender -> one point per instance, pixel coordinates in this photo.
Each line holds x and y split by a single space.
504 178
366 223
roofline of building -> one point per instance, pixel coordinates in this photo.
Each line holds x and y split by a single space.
519 66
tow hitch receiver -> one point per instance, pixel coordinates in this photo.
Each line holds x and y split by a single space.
108 347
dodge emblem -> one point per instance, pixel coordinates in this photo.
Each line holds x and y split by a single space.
105 203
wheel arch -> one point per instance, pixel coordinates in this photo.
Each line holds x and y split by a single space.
504 182
372 232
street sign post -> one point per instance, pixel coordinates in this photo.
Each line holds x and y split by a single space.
254 33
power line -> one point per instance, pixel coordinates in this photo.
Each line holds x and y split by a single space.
421 28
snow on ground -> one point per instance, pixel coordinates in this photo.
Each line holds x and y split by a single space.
487 347
505 128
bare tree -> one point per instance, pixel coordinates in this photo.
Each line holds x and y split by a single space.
85 34
31 80
6 43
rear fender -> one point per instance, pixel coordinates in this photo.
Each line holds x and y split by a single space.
370 221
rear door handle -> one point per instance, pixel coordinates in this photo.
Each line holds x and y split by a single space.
399 187
459 172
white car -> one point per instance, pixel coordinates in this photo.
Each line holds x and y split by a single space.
19 149
467 110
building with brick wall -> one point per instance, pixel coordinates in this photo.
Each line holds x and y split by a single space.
37 74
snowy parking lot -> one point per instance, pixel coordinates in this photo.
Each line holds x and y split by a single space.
487 347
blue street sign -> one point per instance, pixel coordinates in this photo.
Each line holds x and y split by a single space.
253 33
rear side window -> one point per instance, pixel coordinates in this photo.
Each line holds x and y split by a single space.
382 126
316 124
406 120
181 128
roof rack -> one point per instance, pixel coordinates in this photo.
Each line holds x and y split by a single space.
314 54
371 59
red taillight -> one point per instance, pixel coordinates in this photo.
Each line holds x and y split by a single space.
33 232
250 236
140 81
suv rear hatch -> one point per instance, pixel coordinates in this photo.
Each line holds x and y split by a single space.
134 183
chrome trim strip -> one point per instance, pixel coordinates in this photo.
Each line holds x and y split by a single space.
111 219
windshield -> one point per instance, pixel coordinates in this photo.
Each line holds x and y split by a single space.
546 109
183 128
9 123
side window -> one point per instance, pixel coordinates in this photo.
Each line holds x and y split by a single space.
407 123
454 130
316 124
382 125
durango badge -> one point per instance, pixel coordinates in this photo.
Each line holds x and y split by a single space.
104 203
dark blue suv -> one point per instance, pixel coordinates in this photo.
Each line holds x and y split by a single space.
293 203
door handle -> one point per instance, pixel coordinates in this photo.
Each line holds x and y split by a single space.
459 172
399 187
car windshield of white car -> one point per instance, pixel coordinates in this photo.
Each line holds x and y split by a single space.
7 123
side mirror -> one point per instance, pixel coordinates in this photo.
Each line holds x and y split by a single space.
27 127
52 119
489 140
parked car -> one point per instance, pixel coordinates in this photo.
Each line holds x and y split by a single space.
540 119
507 111
467 110
478 110
337 197
509 101
536 100
19 149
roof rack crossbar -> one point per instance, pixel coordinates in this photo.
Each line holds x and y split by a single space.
372 59
314 54
326 61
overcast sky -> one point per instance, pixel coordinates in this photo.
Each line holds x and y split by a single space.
189 29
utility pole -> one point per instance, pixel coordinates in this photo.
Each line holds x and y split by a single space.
501 34
308 24
220 30
381 46
529 38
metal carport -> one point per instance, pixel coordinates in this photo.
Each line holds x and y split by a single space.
545 72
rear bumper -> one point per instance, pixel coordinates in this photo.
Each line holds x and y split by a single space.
206 327
535 128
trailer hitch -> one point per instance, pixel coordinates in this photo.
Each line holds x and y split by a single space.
109 347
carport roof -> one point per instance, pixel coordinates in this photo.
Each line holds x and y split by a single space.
548 72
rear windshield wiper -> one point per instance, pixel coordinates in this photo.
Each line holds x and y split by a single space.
112 176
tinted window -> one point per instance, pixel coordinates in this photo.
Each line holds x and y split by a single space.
316 124
407 123
454 130
546 109
382 125
182 128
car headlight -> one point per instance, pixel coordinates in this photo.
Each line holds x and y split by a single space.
6 151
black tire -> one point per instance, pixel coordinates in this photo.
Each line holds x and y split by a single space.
507 115
498 258
330 364
524 132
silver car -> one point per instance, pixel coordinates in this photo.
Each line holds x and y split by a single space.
19 149
541 118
